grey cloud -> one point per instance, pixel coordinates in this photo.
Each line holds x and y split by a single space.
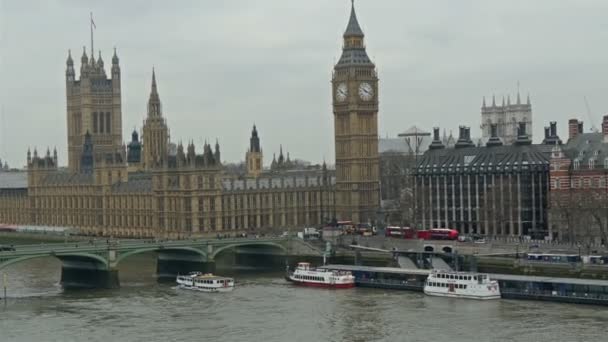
223 65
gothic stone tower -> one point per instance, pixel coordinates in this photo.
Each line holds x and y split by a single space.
93 105
253 158
506 118
155 132
355 105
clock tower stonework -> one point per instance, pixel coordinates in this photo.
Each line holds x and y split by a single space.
355 106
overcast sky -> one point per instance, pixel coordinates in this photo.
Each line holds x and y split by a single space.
223 65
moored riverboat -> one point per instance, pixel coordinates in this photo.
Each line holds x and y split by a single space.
461 285
205 282
308 276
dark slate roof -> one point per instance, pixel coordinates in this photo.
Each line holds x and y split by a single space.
66 177
513 158
13 180
137 183
353 29
586 146
356 56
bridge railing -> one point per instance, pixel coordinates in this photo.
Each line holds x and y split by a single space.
97 245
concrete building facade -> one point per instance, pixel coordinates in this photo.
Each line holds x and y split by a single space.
495 190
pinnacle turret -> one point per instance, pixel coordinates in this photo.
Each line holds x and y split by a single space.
69 62
353 29
154 105
100 60
518 98
84 59
115 57
254 141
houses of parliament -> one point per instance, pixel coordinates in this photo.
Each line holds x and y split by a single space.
144 189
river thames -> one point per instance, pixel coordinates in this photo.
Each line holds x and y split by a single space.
264 307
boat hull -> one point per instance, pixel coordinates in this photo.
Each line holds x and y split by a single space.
321 285
204 289
462 295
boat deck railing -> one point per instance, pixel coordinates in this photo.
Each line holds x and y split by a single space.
571 295
395 282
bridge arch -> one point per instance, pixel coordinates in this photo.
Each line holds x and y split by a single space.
96 258
247 243
125 255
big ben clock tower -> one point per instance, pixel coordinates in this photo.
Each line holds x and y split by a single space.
355 104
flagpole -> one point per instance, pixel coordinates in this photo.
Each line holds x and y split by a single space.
92 49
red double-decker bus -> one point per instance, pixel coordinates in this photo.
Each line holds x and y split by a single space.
438 234
400 232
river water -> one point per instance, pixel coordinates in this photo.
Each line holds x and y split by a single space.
264 307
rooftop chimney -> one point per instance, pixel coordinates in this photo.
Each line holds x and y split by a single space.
437 143
494 139
605 128
522 137
464 137
551 137
573 128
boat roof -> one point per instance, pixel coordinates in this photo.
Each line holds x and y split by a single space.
554 280
493 276
210 276
375 269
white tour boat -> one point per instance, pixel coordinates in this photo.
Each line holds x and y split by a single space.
307 276
205 282
461 285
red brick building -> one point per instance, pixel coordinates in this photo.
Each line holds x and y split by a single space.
578 206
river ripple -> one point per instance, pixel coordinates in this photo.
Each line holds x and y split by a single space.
266 308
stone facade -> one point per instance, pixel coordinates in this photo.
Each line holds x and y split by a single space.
506 118
155 188
355 108
188 194
155 131
93 106
254 157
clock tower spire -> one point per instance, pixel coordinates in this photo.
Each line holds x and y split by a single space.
355 107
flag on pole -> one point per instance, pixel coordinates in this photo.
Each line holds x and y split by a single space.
92 22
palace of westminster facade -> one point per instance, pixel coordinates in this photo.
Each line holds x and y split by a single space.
144 190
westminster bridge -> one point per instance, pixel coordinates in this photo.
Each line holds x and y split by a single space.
95 263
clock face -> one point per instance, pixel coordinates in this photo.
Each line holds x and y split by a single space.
366 92
341 92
